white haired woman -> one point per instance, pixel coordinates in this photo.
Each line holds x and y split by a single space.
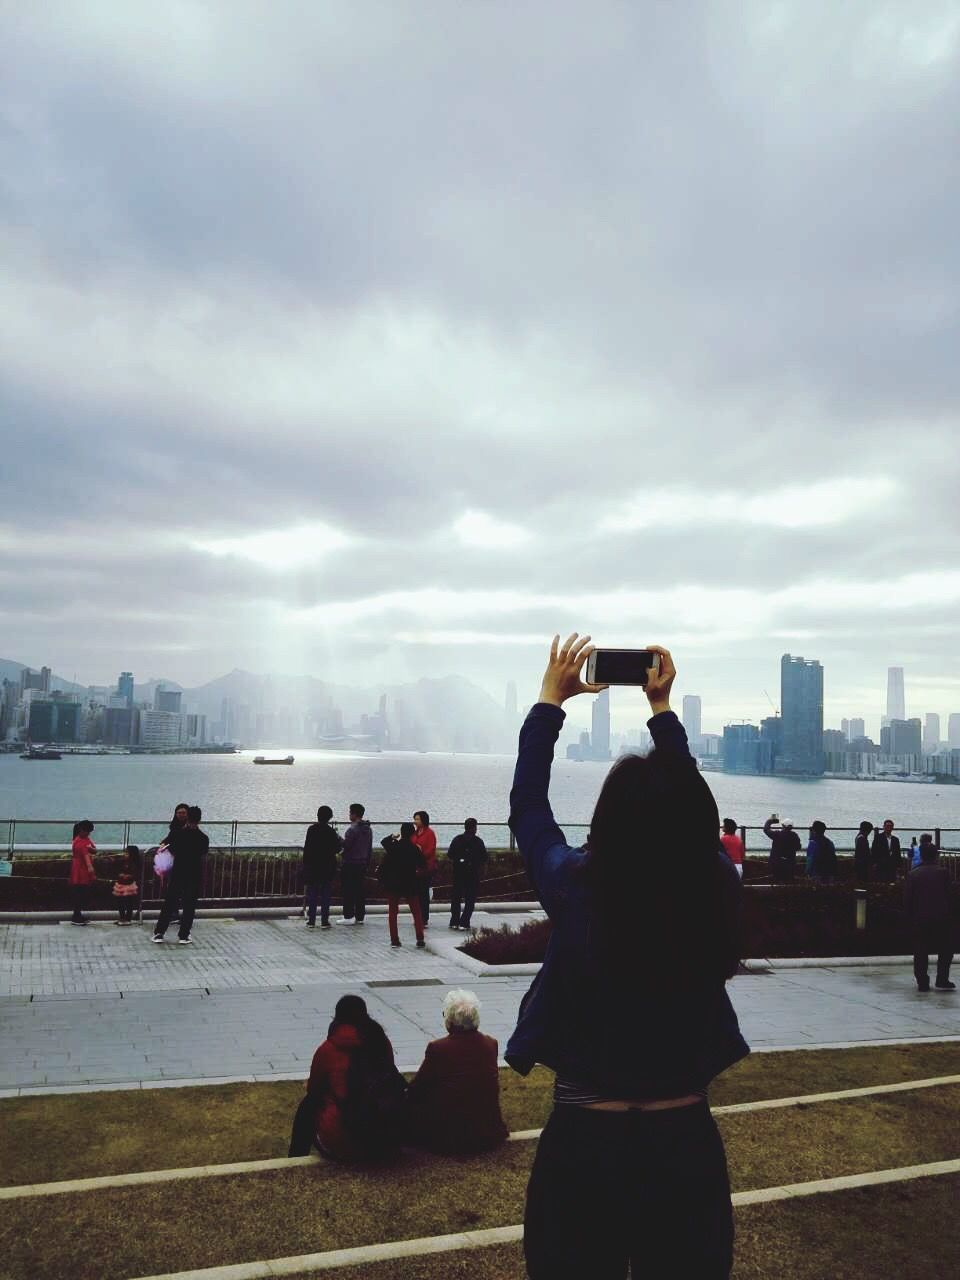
453 1102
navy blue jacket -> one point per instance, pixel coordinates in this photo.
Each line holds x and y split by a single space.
668 1041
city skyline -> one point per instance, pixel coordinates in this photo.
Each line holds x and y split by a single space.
612 360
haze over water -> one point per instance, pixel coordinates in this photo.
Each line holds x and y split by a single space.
393 784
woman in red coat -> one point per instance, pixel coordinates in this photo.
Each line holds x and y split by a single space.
453 1103
353 1105
82 873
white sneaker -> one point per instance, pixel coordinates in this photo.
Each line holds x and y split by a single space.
185 942
156 938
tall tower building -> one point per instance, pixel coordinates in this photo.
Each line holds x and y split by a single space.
125 686
896 707
953 731
845 729
166 699
600 735
801 711
931 732
692 709
858 729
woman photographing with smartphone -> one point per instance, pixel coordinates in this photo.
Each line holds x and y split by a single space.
630 1008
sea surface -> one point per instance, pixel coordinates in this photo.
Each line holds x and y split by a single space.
144 790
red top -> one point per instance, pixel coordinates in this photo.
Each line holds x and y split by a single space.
328 1084
453 1103
426 841
733 848
81 871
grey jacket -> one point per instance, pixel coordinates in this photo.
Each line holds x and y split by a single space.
358 843
926 895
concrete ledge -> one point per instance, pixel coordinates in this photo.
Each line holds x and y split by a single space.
270 912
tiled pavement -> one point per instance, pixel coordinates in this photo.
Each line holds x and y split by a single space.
104 1005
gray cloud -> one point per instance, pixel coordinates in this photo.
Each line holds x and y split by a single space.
372 267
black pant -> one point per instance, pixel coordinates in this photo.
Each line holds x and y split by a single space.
648 1188
353 886
182 895
423 888
465 885
126 907
79 894
311 894
933 939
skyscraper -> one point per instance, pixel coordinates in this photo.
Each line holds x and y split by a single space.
953 731
125 686
845 729
600 725
166 699
692 717
896 708
931 733
858 729
801 710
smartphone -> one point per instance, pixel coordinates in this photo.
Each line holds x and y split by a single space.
621 666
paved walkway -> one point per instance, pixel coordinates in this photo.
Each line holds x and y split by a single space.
252 998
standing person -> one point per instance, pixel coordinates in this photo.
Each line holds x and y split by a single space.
400 873
320 848
821 854
886 853
426 841
82 873
926 896
189 848
630 1008
784 847
732 845
467 853
353 1106
915 853
357 851
178 823
126 889
861 854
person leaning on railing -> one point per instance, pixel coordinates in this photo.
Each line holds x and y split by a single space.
629 1008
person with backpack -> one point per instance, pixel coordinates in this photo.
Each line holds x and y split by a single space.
629 1009
400 873
353 1109
320 848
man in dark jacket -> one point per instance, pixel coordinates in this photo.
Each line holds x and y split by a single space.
357 851
926 896
886 854
467 853
320 848
784 847
189 847
861 854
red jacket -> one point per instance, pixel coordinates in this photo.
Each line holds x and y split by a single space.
81 867
328 1086
426 841
453 1103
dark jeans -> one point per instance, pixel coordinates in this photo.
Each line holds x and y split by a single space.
126 907
465 885
311 893
424 887
353 886
648 1188
79 893
181 896
304 1135
932 940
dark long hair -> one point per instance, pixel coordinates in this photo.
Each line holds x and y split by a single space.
174 824
351 1011
663 908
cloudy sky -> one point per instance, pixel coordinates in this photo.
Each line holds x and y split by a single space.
377 340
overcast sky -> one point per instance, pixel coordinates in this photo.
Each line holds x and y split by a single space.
378 340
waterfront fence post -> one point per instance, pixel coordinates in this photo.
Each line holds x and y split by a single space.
13 836
936 836
861 900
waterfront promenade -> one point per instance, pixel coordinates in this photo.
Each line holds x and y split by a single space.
101 1006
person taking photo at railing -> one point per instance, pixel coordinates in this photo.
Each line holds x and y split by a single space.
629 1008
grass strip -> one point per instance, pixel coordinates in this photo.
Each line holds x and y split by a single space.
271 1215
92 1134
910 1230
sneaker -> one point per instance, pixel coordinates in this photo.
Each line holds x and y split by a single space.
923 986
358 922
325 924
945 986
185 942
84 921
396 944
157 937
311 926
119 922
453 926
421 942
